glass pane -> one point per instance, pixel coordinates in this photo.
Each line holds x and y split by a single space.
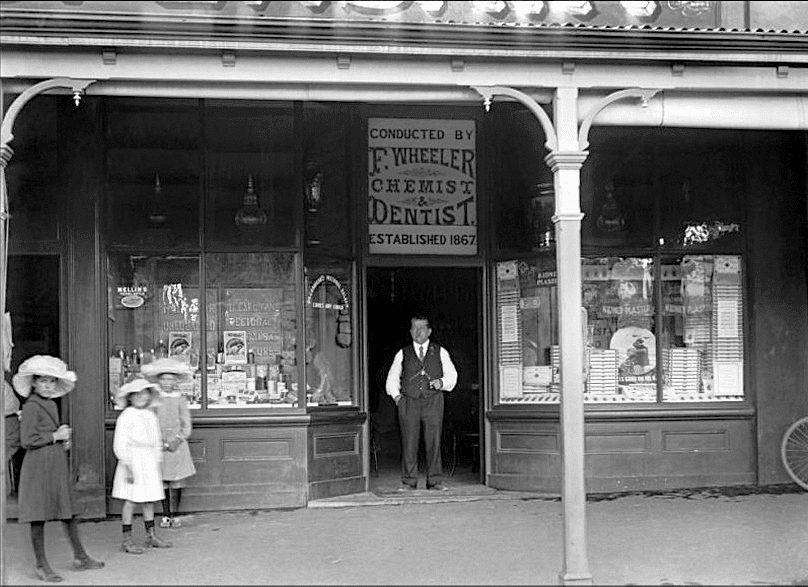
702 326
325 180
527 331
618 214
153 311
618 295
33 302
524 193
153 172
252 185
252 330
329 334
32 176
698 216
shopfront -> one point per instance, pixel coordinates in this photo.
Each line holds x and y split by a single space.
272 211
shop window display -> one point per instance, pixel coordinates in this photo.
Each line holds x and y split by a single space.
656 331
253 362
329 333
236 191
662 276
246 315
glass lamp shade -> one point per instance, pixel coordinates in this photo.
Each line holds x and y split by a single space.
250 215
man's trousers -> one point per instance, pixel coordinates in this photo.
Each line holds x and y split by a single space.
415 414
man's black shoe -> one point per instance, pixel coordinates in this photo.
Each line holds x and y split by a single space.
438 487
408 487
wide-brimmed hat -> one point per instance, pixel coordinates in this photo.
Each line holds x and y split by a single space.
135 386
159 367
46 366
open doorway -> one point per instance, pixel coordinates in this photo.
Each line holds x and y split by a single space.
450 298
32 300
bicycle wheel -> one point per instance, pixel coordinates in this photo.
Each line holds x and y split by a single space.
794 451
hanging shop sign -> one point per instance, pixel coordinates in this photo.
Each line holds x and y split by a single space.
422 187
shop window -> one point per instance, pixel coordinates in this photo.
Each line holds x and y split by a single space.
527 331
664 329
252 332
662 278
32 175
327 205
222 185
238 335
153 311
329 333
251 171
153 172
678 188
523 194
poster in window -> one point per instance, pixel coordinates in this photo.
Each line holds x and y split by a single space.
258 312
179 345
235 347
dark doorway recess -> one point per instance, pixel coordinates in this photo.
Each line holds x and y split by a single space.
450 298
32 300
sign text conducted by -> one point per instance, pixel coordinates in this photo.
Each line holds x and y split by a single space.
422 187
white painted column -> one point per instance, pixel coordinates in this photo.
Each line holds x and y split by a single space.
566 162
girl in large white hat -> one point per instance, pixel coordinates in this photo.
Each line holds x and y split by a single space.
175 427
139 449
45 489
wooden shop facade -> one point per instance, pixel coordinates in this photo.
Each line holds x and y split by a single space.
268 191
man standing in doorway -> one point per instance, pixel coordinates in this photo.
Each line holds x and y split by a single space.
421 372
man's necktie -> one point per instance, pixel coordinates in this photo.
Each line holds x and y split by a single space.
421 352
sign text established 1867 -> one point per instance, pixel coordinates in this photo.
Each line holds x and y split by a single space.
422 187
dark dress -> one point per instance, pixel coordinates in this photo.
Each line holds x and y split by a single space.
45 491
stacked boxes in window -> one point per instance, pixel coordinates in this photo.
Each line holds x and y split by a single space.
728 344
683 369
603 364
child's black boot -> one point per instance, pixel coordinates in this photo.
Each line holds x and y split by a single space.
152 540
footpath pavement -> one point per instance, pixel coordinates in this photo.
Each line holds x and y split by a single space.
734 536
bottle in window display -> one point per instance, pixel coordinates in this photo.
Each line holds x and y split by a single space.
161 351
135 361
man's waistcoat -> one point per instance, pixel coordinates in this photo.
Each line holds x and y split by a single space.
415 376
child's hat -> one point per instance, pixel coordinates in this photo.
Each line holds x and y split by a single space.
135 386
47 366
159 367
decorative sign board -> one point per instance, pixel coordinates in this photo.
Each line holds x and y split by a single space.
422 187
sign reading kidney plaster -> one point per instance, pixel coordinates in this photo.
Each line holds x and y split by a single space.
422 187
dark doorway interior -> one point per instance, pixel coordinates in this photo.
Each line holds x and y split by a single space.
449 296
33 302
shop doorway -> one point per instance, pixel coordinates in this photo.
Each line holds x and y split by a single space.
450 297
32 300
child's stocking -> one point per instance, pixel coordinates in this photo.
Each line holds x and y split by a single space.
177 495
71 529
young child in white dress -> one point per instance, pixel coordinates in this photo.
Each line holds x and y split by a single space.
139 449
175 426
